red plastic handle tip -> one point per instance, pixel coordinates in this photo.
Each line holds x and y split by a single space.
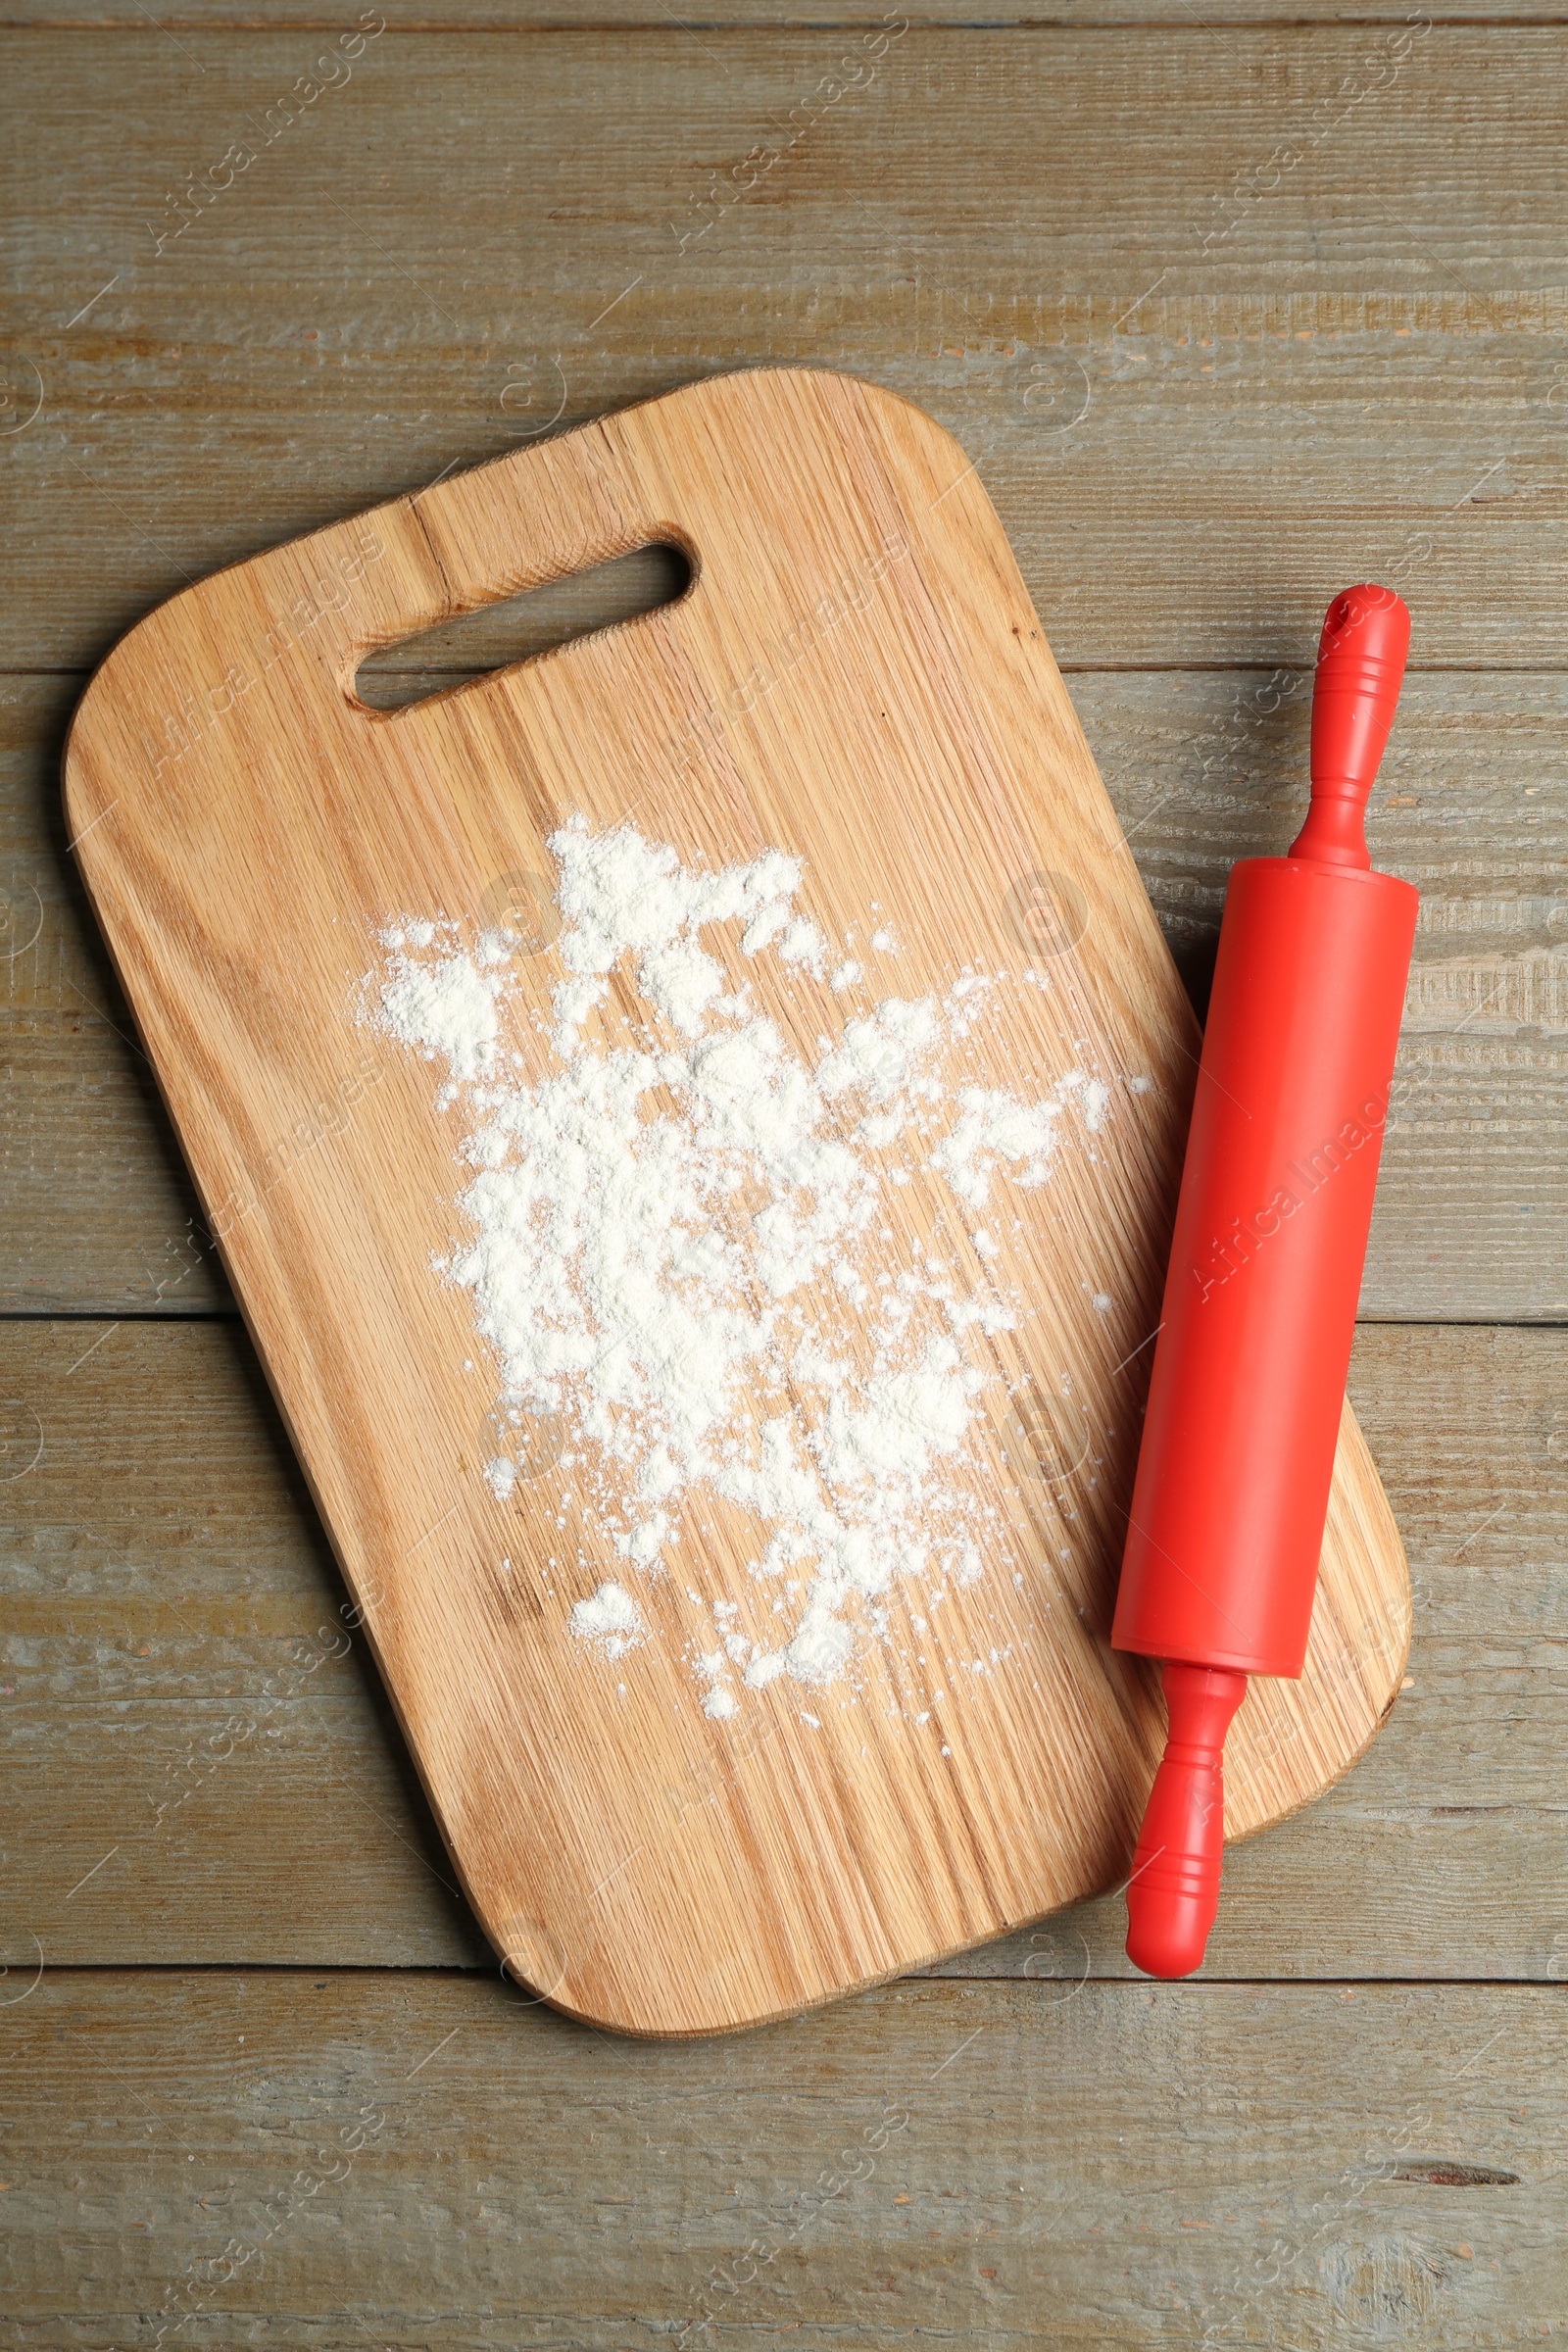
1360 666
1173 1893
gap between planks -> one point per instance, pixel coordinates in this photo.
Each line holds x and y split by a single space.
779 28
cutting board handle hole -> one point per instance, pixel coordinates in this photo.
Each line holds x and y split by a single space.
520 628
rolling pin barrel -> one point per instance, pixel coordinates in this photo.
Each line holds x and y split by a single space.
1248 1382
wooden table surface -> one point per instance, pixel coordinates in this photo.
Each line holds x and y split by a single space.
1231 309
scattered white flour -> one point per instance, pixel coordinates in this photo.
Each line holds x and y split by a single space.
679 1234
610 1618
444 1009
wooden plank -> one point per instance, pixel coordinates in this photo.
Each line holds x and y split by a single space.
1394 1873
1202 768
823 17
97 1207
1203 390
194 1771
1470 805
333 2160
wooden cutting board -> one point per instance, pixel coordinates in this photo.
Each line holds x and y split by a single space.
857 678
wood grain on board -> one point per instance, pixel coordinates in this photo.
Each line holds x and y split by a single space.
245 825
198 1765
437 2162
1472 805
1203 397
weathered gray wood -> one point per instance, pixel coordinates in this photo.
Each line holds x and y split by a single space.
617 17
1472 1216
1206 386
1471 805
336 2161
193 1771
206 1736
1355 371
1443 1851
96 1210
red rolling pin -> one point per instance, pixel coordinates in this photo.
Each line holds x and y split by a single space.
1249 1374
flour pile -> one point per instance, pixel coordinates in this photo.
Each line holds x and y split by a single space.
671 1232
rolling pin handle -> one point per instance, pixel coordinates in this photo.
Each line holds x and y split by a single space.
1360 665
1173 1893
